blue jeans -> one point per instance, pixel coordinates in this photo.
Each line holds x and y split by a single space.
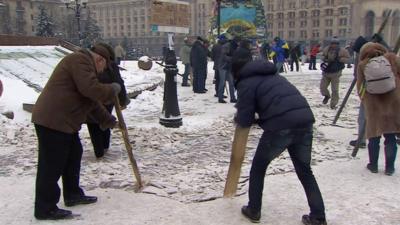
298 141
390 150
225 75
278 66
185 76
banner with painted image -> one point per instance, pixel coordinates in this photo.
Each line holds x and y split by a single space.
244 18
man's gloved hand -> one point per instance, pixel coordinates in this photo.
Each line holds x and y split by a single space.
116 87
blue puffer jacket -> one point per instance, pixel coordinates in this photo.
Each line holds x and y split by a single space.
278 103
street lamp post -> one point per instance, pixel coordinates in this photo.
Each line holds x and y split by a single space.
218 17
77 5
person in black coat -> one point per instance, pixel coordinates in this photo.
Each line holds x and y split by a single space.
287 121
101 138
295 54
198 62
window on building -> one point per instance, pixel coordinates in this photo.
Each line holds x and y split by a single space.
270 25
316 23
315 34
303 34
270 16
343 11
292 24
280 16
303 4
303 23
316 3
291 34
303 14
280 25
342 32
328 33
328 22
343 22
280 33
315 13
330 2
328 12
291 15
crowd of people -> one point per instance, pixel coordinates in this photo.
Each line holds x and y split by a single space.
85 86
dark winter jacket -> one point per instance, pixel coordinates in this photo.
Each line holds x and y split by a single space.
228 48
216 54
198 56
111 75
295 52
277 102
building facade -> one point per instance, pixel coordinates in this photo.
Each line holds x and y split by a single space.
19 17
316 21
130 21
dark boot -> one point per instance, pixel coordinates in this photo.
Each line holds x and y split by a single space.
307 220
251 215
325 100
84 199
389 171
372 168
55 214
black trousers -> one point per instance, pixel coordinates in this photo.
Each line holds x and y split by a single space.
298 141
60 155
100 138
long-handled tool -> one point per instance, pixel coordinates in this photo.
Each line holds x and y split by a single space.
125 136
237 156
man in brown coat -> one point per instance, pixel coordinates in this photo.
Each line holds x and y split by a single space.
71 94
382 111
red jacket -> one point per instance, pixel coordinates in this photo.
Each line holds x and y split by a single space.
314 51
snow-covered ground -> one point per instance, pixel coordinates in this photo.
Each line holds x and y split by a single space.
185 168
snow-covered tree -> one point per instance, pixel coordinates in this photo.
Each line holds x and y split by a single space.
91 32
45 24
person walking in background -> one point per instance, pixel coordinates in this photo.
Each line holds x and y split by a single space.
119 53
313 57
198 62
279 48
295 54
71 94
185 57
382 111
335 58
287 121
349 48
225 70
215 57
101 137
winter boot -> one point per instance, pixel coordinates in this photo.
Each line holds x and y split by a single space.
253 216
307 220
326 99
389 171
372 168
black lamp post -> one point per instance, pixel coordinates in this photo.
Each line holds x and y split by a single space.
170 116
219 17
77 5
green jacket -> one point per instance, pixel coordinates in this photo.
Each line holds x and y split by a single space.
184 53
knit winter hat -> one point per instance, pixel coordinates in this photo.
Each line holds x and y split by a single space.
335 40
